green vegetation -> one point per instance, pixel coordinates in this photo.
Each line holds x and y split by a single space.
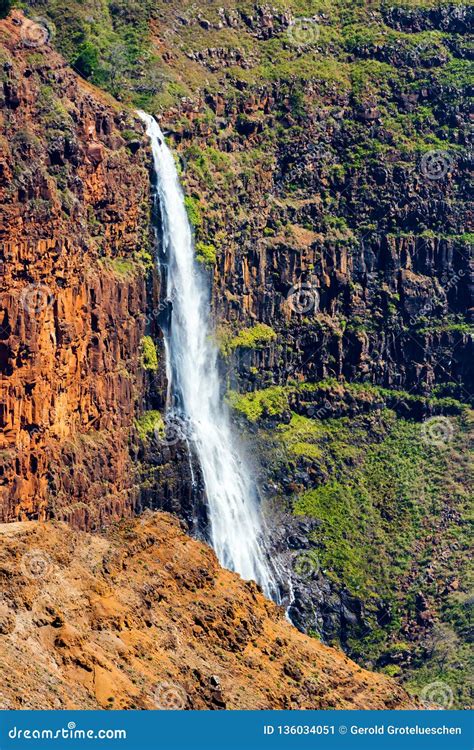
149 423
193 208
130 135
301 436
144 259
149 354
121 267
344 396
378 489
206 254
109 44
451 326
354 505
379 485
351 50
270 402
248 338
211 167
87 62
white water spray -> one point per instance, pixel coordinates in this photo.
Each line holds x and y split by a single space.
236 526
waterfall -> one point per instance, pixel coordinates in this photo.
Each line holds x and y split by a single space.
236 531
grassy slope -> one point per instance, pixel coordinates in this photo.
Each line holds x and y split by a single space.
395 512
125 45
144 53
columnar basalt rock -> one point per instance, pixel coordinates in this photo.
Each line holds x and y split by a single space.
391 301
73 231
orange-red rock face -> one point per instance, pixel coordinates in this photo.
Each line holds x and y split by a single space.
144 617
74 219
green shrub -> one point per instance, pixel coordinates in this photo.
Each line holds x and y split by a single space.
148 423
5 7
193 208
87 61
149 354
121 267
131 135
270 402
248 338
206 254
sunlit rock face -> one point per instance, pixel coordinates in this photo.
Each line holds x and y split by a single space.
73 223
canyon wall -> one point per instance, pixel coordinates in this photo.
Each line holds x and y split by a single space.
323 160
325 166
336 201
74 234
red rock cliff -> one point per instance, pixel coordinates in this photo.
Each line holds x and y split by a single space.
73 228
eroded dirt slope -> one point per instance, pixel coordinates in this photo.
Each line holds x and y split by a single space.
145 618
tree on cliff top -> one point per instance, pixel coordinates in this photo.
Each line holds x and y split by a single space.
5 8
87 61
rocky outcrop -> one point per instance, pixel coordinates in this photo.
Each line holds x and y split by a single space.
450 18
73 229
338 202
145 618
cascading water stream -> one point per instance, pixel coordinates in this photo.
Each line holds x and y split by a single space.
235 524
